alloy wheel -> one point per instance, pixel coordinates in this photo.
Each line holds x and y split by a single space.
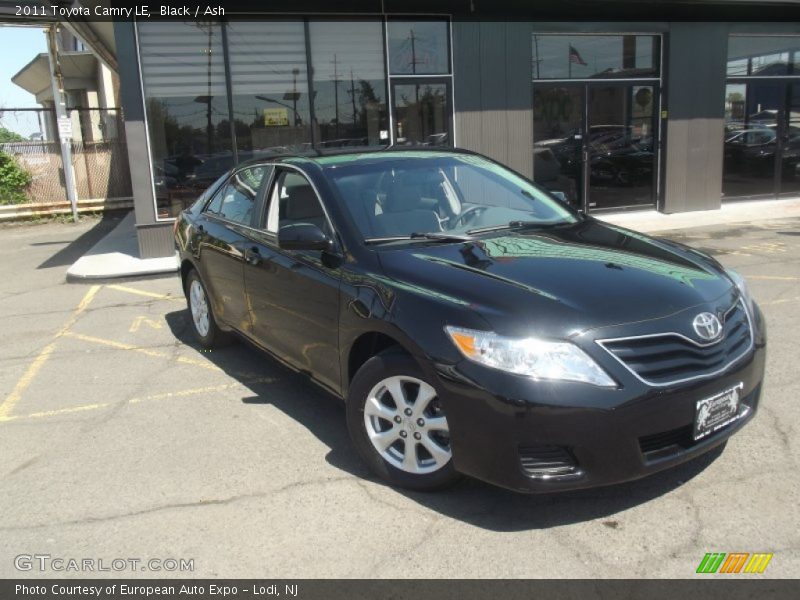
199 308
406 425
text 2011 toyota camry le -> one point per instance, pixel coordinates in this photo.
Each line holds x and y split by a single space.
472 322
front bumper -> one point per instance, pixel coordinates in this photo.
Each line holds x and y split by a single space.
612 435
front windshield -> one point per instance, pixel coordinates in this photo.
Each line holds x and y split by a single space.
395 196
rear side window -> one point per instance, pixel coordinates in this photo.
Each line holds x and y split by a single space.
198 204
237 200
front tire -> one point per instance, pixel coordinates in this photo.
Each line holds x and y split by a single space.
204 325
397 424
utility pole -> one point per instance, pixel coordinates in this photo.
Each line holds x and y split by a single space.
353 96
336 91
63 122
209 125
413 53
295 96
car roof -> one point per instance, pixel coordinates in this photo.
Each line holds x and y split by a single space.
326 158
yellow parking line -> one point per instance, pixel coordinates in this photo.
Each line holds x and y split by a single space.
146 351
780 301
27 378
130 290
197 362
772 278
150 398
25 381
62 411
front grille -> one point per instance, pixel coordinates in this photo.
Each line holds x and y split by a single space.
669 358
546 461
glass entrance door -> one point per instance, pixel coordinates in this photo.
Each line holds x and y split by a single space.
422 111
621 145
597 143
752 114
790 142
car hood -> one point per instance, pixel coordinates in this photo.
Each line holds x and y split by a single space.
561 281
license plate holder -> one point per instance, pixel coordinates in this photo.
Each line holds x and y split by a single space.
715 412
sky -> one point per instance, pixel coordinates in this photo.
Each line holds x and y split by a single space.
18 46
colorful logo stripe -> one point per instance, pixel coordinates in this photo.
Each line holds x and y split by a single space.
758 562
734 562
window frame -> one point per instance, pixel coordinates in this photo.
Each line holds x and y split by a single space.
659 57
793 72
263 216
446 19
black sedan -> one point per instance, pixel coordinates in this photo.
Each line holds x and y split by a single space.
472 323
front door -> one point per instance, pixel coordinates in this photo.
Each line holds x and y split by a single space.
621 142
597 143
558 132
293 296
422 110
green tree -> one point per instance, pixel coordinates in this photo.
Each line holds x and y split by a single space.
735 97
6 135
13 180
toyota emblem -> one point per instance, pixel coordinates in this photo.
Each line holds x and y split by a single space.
707 326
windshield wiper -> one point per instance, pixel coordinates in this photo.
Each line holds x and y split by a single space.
436 237
441 237
520 225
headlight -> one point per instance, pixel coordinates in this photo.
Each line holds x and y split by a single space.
740 282
529 356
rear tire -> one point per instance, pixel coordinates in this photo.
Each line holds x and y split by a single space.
397 424
204 325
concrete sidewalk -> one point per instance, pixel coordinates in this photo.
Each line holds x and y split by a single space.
745 211
117 254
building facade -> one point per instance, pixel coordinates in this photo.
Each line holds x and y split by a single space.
673 115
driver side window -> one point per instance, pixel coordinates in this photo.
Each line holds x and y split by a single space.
293 200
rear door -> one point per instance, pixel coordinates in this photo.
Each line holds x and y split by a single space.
226 221
293 296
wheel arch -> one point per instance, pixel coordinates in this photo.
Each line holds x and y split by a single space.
367 345
186 266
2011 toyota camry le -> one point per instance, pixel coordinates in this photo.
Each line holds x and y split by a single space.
473 323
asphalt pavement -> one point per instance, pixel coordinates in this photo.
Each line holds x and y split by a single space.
121 439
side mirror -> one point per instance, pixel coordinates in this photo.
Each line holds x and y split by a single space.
559 195
303 236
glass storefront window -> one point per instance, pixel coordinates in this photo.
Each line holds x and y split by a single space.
418 48
349 83
595 56
183 74
269 83
762 130
763 56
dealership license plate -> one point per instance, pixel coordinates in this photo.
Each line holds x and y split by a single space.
714 413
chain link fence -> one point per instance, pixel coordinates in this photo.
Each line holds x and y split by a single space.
99 158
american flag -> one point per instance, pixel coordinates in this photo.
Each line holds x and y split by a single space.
575 56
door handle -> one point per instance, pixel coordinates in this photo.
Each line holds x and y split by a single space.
201 228
252 256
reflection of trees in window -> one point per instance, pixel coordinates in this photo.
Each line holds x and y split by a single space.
418 47
734 106
349 82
